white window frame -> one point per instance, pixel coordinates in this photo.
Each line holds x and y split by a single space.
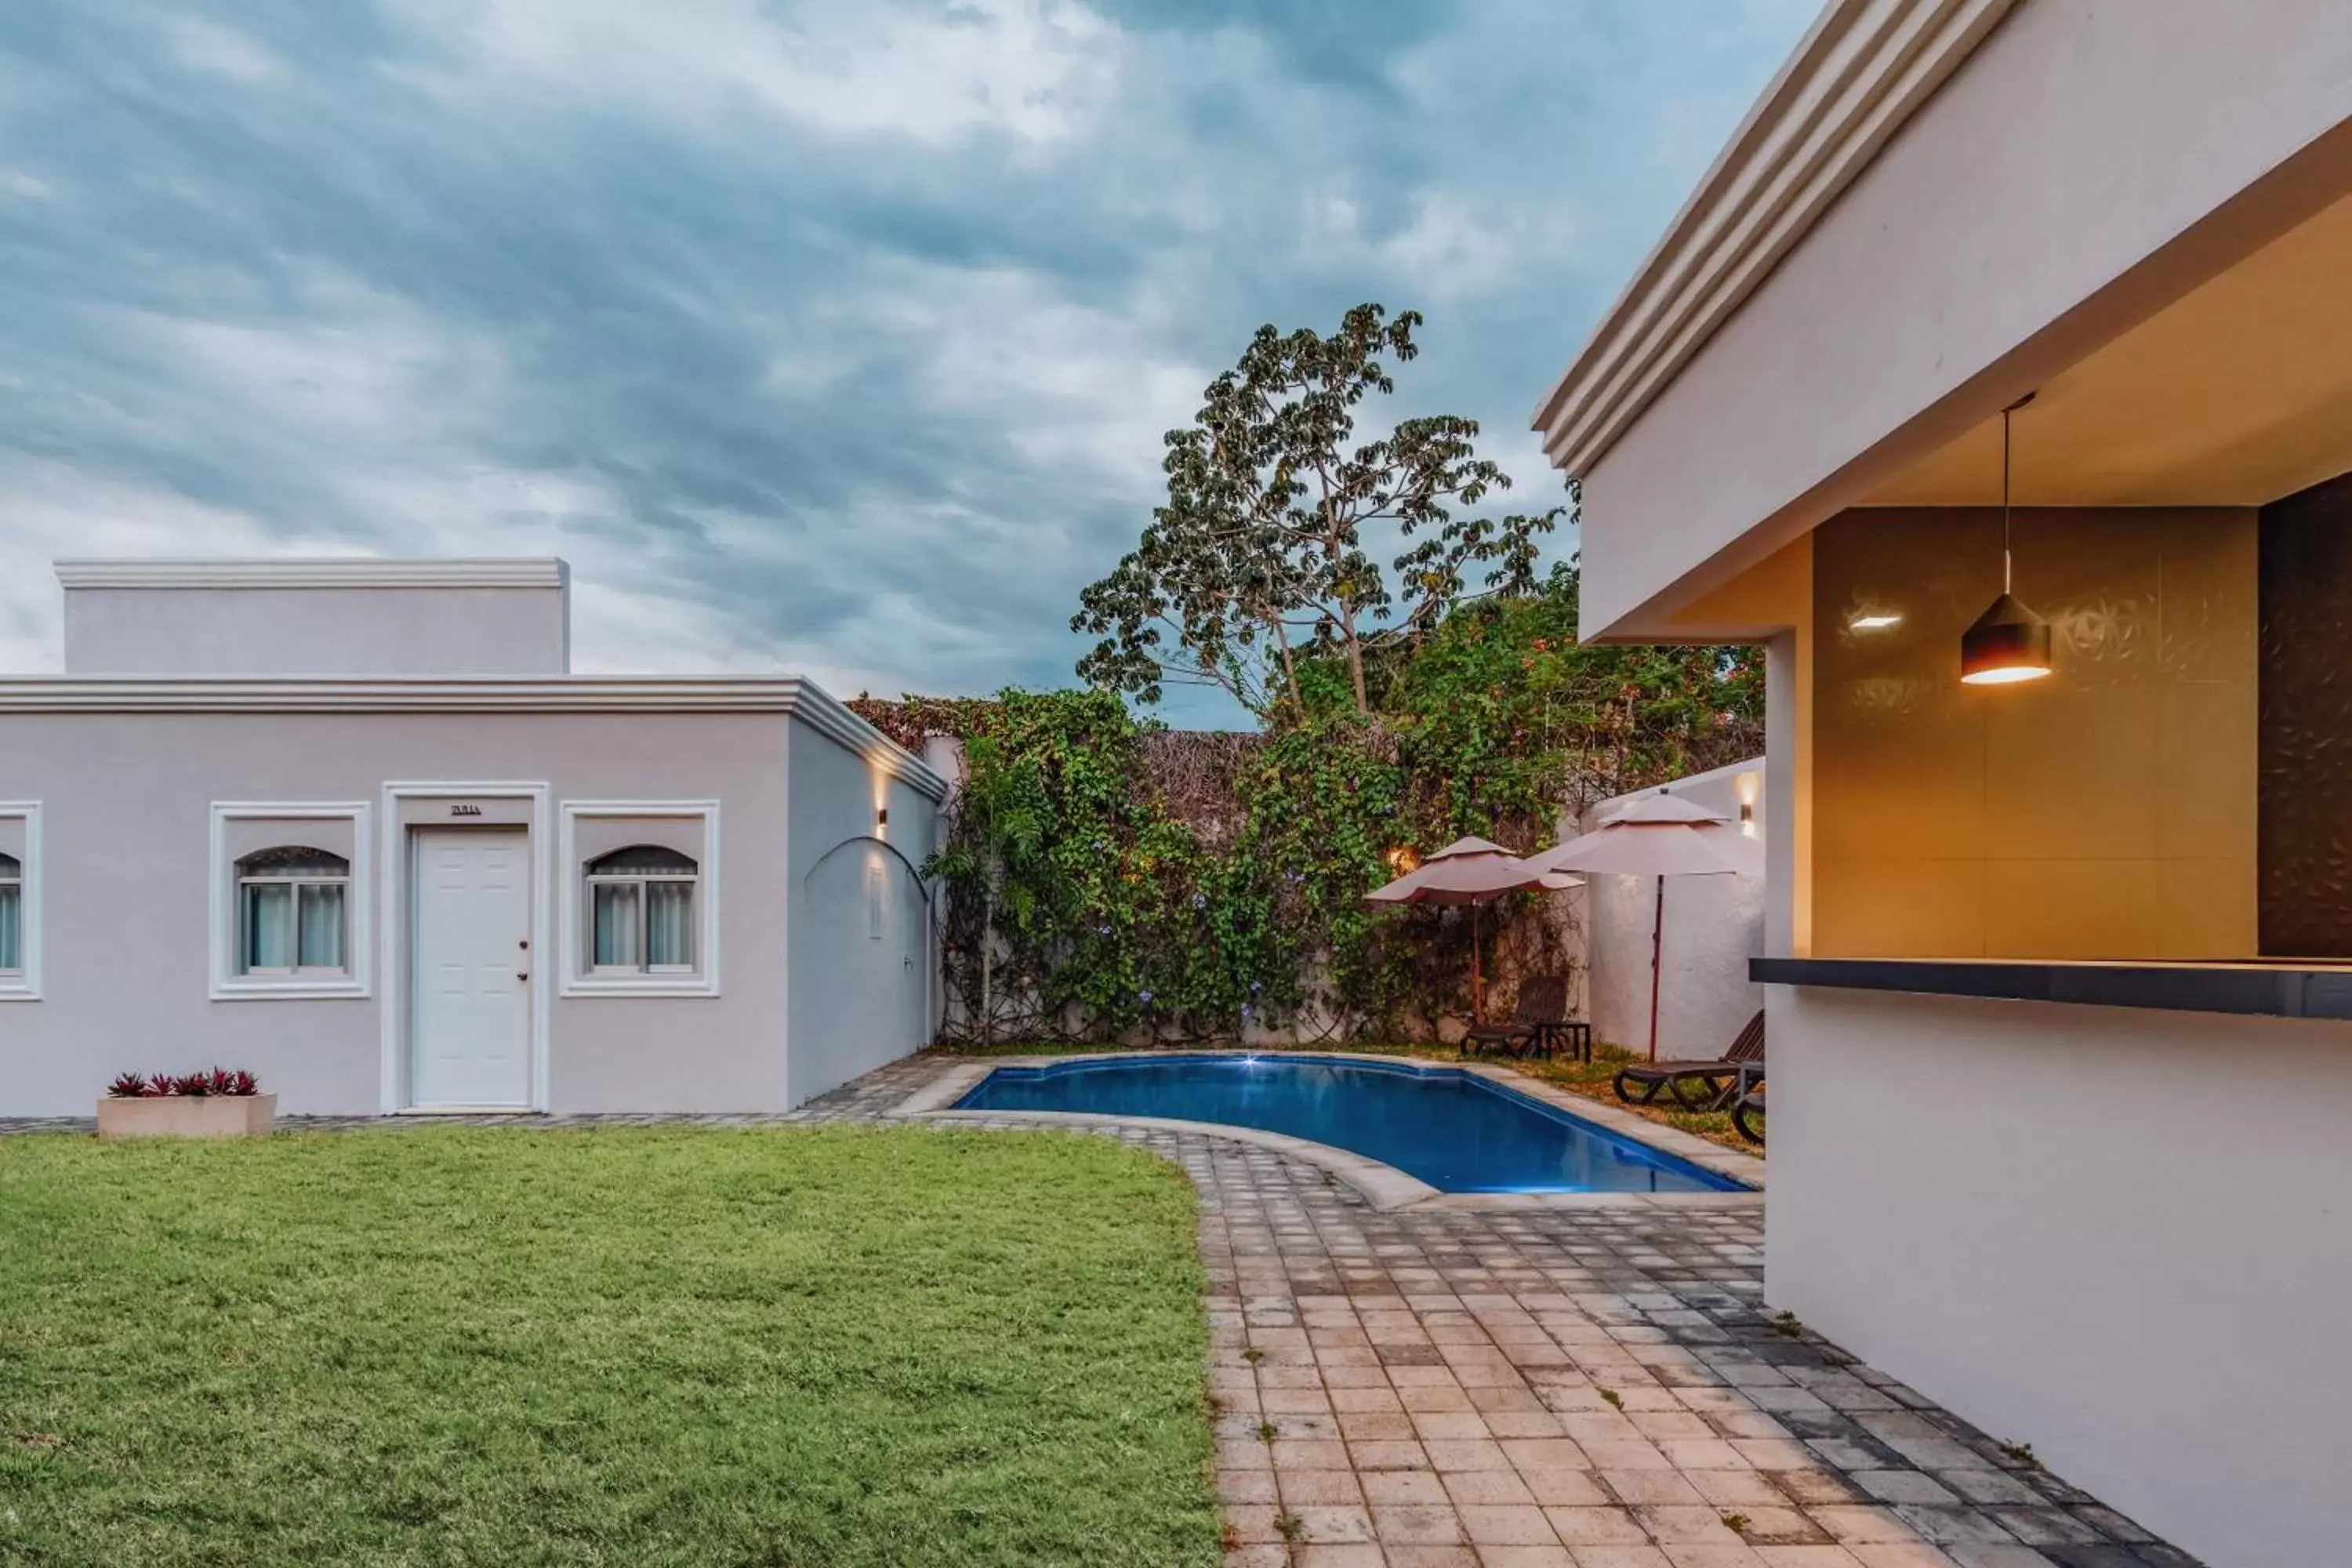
226 894
23 983
581 977
296 884
642 883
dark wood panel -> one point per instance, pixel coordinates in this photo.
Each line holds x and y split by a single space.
2304 789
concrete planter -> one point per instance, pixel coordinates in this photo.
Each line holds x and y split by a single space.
188 1116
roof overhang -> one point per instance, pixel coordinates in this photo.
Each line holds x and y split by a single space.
1928 215
1862 70
488 695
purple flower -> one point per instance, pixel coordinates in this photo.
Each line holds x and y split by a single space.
1143 996
1102 931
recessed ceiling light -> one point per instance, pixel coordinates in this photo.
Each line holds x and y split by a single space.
1877 622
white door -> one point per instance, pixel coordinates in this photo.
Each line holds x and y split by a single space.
469 1028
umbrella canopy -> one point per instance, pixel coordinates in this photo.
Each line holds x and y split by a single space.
1466 871
1659 836
1469 871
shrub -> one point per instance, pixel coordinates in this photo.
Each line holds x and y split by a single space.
195 1085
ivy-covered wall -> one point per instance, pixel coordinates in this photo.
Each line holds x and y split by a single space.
1107 878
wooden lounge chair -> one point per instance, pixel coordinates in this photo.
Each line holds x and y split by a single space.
1721 1078
1541 1012
1747 1115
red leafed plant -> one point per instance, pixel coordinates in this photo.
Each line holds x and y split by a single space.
197 1085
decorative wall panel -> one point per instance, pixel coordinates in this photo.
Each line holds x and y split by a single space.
2107 811
2305 750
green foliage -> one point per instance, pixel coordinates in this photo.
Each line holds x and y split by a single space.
1259 558
1100 884
1503 719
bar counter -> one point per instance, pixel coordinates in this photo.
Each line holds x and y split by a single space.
2280 988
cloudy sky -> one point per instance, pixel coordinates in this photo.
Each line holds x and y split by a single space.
835 337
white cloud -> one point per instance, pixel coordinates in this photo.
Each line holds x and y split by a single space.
207 47
1034 70
1457 246
54 509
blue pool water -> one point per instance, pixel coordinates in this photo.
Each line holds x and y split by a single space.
1453 1130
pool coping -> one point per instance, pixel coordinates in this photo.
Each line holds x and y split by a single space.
1382 1185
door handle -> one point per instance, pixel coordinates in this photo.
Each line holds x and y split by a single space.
521 976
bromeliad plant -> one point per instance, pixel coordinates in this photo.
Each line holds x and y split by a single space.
219 1081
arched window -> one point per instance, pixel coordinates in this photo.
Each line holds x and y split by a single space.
292 911
641 912
12 915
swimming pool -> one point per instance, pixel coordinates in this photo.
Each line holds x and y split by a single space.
1453 1130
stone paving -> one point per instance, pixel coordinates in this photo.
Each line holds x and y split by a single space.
1445 1387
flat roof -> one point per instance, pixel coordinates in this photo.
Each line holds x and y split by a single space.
789 694
317 572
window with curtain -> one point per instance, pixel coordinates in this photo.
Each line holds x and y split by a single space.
12 915
292 912
641 912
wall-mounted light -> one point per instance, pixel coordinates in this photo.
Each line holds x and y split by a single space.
1402 859
2009 643
1876 621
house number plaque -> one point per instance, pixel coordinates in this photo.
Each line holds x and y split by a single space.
462 809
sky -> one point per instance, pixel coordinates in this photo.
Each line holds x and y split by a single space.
836 338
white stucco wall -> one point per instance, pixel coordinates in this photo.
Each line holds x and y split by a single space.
314 631
127 885
1714 925
857 999
2122 1236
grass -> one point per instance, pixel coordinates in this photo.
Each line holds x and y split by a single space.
1590 1079
840 1347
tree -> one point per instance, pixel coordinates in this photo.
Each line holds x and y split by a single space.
1259 556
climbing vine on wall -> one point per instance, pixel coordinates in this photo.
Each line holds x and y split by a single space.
1109 877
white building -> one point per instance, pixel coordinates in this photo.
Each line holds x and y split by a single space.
355 825
1711 928
2058 942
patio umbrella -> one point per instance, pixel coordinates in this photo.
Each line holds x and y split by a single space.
1659 836
1468 871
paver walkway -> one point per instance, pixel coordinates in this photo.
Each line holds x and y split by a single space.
1524 1388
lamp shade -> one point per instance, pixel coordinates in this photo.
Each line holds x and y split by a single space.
2007 642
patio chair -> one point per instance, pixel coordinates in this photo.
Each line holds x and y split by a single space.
1721 1078
1537 1019
1747 1115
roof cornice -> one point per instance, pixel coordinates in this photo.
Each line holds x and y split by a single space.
1865 68
353 571
479 694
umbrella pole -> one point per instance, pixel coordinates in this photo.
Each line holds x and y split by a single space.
1477 980
1657 945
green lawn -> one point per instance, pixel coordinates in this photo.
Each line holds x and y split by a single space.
627 1346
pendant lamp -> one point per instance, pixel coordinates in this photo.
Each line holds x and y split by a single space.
2009 643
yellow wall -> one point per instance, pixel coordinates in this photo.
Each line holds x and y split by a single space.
2104 812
